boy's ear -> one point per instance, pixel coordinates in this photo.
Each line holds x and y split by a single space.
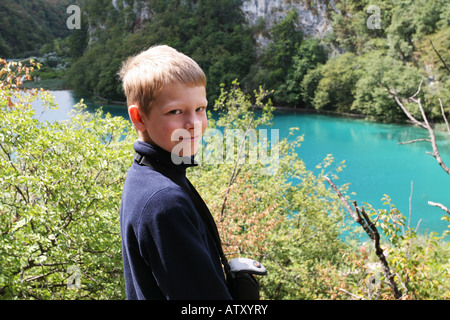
135 116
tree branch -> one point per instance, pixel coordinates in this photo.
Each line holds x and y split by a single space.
424 124
443 116
442 60
352 295
415 140
405 111
431 203
372 232
235 172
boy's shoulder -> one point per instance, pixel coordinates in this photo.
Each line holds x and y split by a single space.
148 189
152 200
147 181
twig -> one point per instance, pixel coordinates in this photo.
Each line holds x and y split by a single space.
351 294
442 60
235 171
415 140
418 89
443 116
418 224
410 206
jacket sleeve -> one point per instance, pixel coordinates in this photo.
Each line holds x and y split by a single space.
174 242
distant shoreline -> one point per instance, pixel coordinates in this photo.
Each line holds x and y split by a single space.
58 84
46 84
325 112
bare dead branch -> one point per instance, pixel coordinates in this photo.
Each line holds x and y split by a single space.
415 140
424 124
418 89
431 203
352 295
235 172
343 200
442 60
417 226
443 115
410 205
405 111
372 231
435 153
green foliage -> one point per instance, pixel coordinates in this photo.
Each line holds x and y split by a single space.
377 72
335 89
372 59
302 72
310 54
277 58
397 54
420 263
25 25
59 206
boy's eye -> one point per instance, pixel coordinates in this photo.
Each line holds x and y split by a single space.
174 111
200 109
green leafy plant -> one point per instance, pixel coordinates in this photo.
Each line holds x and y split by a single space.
61 181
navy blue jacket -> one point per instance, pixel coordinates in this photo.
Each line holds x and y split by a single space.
168 252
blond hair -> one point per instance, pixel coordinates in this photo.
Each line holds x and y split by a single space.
145 74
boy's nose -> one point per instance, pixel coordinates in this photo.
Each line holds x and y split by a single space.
192 121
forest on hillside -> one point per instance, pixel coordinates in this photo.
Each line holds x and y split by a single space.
27 25
346 70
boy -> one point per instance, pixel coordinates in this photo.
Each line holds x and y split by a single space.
168 252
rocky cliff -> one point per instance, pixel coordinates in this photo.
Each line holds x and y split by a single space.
313 15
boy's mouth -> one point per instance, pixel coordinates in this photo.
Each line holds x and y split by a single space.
190 138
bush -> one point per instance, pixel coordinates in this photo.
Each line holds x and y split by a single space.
59 207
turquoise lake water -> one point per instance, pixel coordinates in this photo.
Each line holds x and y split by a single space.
376 164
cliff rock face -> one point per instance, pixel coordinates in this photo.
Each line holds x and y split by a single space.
313 15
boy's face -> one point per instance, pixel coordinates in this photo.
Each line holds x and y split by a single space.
177 119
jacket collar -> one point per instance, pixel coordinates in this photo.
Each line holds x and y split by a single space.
163 157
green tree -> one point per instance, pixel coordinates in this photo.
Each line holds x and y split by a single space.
349 25
309 85
375 74
335 88
276 59
310 54
26 25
